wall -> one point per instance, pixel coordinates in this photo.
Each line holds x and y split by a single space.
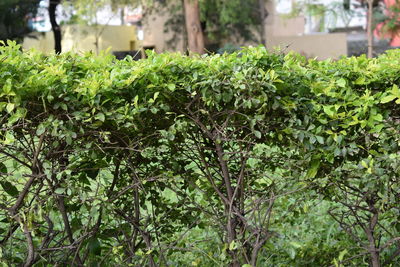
83 38
157 33
322 46
288 34
286 26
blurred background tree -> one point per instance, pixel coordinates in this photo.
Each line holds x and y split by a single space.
14 18
222 19
205 25
387 20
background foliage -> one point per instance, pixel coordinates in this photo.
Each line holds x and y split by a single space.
14 15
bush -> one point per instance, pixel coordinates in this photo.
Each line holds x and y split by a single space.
247 158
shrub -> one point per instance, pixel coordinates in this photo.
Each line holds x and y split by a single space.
214 160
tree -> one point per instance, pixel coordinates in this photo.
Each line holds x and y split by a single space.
14 17
387 21
223 21
193 26
219 21
263 16
181 12
54 25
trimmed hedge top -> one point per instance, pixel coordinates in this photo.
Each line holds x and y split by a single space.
101 92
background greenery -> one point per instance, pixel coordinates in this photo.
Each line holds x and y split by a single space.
14 16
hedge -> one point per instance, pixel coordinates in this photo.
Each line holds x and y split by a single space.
243 159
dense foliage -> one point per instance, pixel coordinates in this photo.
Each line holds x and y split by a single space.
244 159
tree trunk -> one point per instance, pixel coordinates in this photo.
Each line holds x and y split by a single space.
184 31
122 15
54 25
193 27
370 35
263 16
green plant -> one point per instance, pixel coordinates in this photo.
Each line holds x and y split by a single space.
245 158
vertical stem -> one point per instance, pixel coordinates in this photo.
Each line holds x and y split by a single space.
224 169
145 235
372 249
30 259
231 221
61 206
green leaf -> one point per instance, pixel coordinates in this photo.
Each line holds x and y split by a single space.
40 130
10 107
360 80
341 82
7 88
292 253
3 168
59 190
233 245
3 105
320 139
100 116
387 99
377 128
395 90
329 110
68 140
295 244
337 152
364 164
135 101
341 254
9 188
257 134
378 117
171 87
313 170
9 139
18 114
155 95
